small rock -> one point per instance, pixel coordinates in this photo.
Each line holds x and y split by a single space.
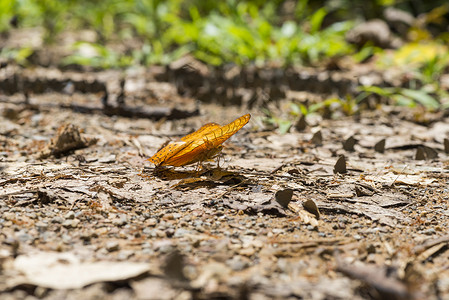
71 223
251 232
176 216
41 225
24 237
147 231
66 239
371 249
250 251
9 216
158 233
151 222
168 216
57 220
238 263
169 232
69 215
180 232
355 226
31 215
357 237
430 231
311 227
125 254
123 220
342 220
112 246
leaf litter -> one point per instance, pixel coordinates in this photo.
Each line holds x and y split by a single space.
283 216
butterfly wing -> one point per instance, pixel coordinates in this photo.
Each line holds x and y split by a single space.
161 157
206 146
220 135
200 132
166 152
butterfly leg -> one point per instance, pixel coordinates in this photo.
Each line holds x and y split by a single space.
218 160
198 168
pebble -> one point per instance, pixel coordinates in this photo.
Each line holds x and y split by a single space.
112 246
251 232
70 215
278 230
357 237
71 223
24 237
151 222
311 227
197 223
41 225
31 215
147 231
166 248
180 232
237 263
123 220
66 239
9 216
355 226
371 249
249 251
342 220
169 232
430 231
125 254
57 220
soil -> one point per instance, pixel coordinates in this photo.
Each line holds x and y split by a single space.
345 208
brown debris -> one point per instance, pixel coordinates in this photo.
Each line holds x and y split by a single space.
382 280
68 138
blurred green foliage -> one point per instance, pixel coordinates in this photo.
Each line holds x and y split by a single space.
275 33
215 32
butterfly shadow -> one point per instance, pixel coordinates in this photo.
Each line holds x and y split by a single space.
193 179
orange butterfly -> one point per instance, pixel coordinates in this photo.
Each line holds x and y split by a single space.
201 145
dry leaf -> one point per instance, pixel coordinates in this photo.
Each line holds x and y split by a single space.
65 271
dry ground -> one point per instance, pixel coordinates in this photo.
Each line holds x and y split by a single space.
84 216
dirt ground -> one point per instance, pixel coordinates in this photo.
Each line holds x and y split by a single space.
345 208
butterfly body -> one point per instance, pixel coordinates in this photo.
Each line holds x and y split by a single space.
199 146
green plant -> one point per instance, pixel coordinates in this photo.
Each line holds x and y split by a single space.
401 96
20 55
97 56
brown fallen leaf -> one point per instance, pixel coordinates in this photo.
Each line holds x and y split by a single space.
68 138
431 243
65 271
377 278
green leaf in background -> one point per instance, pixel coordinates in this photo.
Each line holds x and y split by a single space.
284 126
316 20
421 97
